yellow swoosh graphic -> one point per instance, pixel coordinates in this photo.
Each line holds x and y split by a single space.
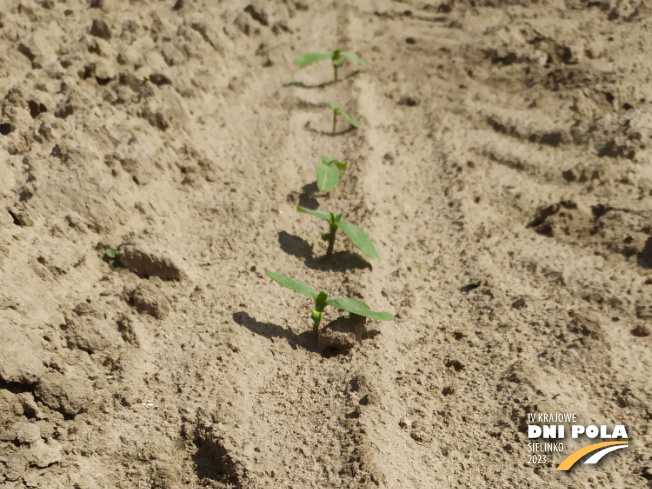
575 456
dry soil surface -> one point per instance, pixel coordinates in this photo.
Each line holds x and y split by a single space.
502 168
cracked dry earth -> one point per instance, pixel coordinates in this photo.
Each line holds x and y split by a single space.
502 169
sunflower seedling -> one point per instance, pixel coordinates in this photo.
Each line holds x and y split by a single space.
338 111
328 173
335 56
357 235
321 299
112 255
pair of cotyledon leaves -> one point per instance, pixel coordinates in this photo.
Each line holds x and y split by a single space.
357 235
345 303
335 56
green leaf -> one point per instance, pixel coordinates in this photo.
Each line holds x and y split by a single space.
358 307
320 301
111 252
339 217
360 239
334 107
327 160
351 120
310 58
354 58
326 216
292 284
116 265
327 177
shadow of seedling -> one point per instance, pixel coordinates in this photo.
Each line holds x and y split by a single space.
307 197
319 85
213 462
340 261
271 331
295 246
644 258
308 128
308 87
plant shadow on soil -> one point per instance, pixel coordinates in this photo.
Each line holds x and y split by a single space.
307 197
328 133
341 261
304 340
644 258
320 85
213 463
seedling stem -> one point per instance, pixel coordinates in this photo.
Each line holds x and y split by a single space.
330 236
338 111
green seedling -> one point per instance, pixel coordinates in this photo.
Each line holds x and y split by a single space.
112 255
338 111
357 235
335 56
321 299
328 173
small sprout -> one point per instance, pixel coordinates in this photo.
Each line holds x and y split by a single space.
112 255
357 235
338 111
328 173
335 56
321 299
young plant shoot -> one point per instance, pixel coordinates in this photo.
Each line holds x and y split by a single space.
338 111
112 255
357 235
335 56
328 173
321 299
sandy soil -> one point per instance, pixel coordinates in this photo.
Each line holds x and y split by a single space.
502 168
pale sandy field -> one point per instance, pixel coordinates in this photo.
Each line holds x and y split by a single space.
502 168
